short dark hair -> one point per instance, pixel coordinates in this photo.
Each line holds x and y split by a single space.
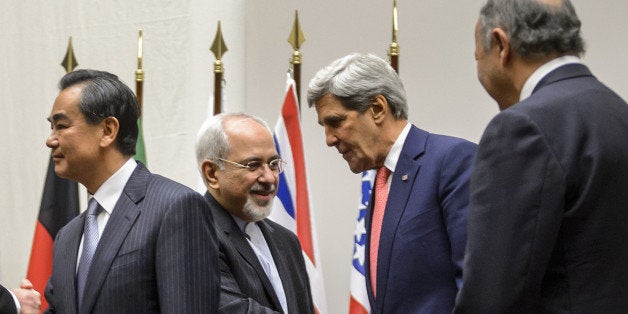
104 95
535 29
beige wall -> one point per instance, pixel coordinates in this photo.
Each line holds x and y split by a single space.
437 68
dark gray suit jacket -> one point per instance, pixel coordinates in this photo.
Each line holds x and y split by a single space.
548 223
7 304
245 288
157 254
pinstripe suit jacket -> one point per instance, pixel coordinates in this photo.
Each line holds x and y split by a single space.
7 305
245 288
158 253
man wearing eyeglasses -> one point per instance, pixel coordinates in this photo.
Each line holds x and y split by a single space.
261 266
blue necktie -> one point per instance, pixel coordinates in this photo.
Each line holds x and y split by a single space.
90 241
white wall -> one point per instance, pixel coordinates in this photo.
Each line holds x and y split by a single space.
436 65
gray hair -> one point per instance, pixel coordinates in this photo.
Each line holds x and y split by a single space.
212 142
355 80
535 29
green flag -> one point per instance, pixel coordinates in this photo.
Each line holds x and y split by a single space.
140 151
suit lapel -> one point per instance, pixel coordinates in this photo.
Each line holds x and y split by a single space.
238 238
122 219
277 253
402 183
66 261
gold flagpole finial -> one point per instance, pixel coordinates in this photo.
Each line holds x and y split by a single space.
139 73
218 48
69 62
296 39
394 45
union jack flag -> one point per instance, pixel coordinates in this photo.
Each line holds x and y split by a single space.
292 207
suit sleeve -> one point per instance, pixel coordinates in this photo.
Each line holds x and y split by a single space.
7 304
454 199
187 257
516 206
232 299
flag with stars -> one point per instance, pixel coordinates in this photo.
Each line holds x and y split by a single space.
359 301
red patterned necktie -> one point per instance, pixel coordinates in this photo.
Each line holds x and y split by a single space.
381 196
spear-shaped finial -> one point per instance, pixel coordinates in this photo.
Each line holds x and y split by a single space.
393 51
139 73
296 38
218 48
69 62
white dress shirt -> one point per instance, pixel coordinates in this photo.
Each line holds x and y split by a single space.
107 196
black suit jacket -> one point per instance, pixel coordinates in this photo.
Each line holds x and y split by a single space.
7 304
548 223
157 254
245 288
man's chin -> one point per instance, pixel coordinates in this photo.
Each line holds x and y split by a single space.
257 211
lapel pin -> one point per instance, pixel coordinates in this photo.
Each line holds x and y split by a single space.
404 177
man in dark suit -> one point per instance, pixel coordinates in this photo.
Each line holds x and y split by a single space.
261 264
415 237
23 300
548 222
146 244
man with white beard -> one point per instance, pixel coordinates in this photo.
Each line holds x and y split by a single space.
261 266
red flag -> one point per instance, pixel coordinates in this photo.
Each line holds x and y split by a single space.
59 204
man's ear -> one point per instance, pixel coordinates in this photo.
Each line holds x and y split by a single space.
503 44
379 108
110 127
208 169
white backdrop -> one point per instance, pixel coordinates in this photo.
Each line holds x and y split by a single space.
436 65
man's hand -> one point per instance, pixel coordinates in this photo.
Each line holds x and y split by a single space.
30 300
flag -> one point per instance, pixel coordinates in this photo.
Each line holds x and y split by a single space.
59 204
292 208
358 299
140 151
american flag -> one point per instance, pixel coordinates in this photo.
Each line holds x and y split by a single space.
359 301
292 208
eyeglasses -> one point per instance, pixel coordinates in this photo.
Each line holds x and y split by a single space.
275 165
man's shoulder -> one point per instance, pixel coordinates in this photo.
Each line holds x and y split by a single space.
437 139
162 184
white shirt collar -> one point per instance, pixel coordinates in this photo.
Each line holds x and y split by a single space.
395 150
109 192
542 71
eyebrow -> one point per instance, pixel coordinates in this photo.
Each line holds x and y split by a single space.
249 159
57 117
336 117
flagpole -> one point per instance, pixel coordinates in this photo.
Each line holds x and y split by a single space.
393 51
139 73
140 150
296 39
218 48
